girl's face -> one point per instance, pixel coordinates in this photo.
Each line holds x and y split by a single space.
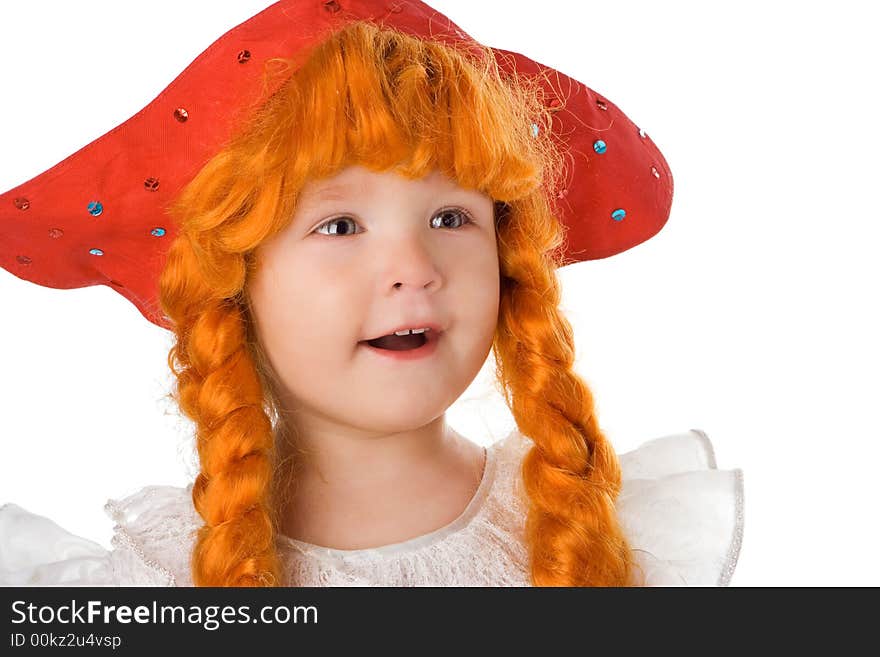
365 254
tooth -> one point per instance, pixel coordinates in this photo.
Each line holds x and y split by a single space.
408 331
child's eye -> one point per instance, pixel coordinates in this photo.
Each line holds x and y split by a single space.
349 220
451 212
446 217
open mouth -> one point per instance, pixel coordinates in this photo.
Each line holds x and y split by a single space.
399 342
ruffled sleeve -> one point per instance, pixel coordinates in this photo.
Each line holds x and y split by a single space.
36 551
152 538
683 516
154 532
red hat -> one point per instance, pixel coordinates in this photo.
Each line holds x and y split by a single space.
97 218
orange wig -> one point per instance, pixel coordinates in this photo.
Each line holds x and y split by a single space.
380 98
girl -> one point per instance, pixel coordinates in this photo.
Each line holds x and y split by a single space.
390 211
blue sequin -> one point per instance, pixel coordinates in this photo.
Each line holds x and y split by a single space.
157 232
618 214
96 252
599 146
534 130
95 208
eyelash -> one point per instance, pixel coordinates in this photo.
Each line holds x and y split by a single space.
464 213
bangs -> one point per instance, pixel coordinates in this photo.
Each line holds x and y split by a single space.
385 100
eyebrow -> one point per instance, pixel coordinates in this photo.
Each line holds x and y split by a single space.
339 191
335 191
331 193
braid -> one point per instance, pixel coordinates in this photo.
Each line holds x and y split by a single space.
571 475
219 388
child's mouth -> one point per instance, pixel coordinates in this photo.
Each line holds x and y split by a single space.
399 342
404 347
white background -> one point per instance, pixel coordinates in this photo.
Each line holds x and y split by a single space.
752 315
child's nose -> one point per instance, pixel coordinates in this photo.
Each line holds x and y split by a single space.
410 263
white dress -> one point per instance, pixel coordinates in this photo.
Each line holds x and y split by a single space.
683 518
